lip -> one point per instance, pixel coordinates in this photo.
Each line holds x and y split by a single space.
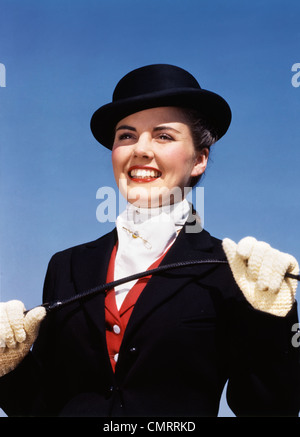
143 167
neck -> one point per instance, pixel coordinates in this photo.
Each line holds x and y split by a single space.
173 211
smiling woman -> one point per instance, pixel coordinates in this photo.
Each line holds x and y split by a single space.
162 345
154 150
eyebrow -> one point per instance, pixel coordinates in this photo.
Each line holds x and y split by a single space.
125 126
159 128
156 129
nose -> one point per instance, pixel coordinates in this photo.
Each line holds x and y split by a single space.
143 147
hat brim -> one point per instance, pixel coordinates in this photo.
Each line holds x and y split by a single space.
211 107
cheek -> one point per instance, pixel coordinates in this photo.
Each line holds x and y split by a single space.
117 164
118 159
114 157
180 162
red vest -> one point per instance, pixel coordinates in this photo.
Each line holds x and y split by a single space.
116 320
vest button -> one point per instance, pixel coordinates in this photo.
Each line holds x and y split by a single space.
116 329
109 392
116 357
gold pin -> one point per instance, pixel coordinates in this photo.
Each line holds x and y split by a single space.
135 234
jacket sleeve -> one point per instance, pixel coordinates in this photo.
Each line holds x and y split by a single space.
21 390
264 368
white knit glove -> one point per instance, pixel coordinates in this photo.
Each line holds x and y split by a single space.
17 333
260 272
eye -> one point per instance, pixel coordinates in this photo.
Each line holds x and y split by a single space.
165 137
125 136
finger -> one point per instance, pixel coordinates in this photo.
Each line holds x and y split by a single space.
33 319
245 247
294 269
4 326
256 257
293 266
15 314
272 272
237 264
282 263
229 247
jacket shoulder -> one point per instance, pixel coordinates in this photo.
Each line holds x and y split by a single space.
104 240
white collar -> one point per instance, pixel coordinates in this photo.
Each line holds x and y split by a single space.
177 212
144 234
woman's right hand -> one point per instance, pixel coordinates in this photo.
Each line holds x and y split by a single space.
17 333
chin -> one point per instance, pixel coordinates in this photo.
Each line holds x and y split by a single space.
145 203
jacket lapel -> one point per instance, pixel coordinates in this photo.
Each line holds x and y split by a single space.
187 247
89 270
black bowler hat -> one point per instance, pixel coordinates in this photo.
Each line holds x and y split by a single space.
154 86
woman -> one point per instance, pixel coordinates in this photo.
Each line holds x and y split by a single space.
163 345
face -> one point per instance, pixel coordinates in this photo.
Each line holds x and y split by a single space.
154 158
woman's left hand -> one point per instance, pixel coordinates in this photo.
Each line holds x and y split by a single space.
259 270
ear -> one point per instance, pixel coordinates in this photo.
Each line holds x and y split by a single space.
200 164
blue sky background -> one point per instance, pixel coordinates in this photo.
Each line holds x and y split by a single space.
63 59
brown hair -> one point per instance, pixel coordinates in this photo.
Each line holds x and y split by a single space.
203 135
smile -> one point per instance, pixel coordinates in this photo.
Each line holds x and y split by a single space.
143 174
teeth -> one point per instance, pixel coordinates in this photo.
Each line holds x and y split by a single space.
142 173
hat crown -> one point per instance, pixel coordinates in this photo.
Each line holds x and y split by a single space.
154 86
153 78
